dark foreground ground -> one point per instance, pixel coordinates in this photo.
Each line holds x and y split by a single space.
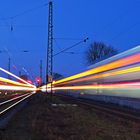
39 120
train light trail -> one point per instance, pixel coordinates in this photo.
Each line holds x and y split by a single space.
123 85
116 76
107 74
113 65
7 81
16 77
16 88
101 86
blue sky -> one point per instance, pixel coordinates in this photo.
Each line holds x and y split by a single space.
115 22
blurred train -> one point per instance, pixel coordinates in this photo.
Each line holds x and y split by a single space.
116 79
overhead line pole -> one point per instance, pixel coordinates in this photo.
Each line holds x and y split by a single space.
9 67
49 68
41 71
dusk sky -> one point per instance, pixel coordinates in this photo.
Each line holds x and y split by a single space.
114 22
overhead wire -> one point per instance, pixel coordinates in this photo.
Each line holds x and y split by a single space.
63 38
71 47
25 12
126 30
12 26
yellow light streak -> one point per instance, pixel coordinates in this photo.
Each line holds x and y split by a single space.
16 88
13 82
16 77
107 86
124 71
116 64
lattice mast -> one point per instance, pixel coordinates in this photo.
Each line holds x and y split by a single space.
49 69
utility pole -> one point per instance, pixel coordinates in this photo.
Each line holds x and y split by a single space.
41 71
9 67
49 68
19 73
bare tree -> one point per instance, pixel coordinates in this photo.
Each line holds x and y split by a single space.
99 51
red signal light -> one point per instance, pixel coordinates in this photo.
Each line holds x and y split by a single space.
38 80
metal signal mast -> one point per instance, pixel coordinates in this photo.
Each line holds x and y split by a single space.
49 69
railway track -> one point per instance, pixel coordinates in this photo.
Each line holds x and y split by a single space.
108 109
7 105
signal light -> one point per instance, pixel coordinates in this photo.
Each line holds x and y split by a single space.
38 80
